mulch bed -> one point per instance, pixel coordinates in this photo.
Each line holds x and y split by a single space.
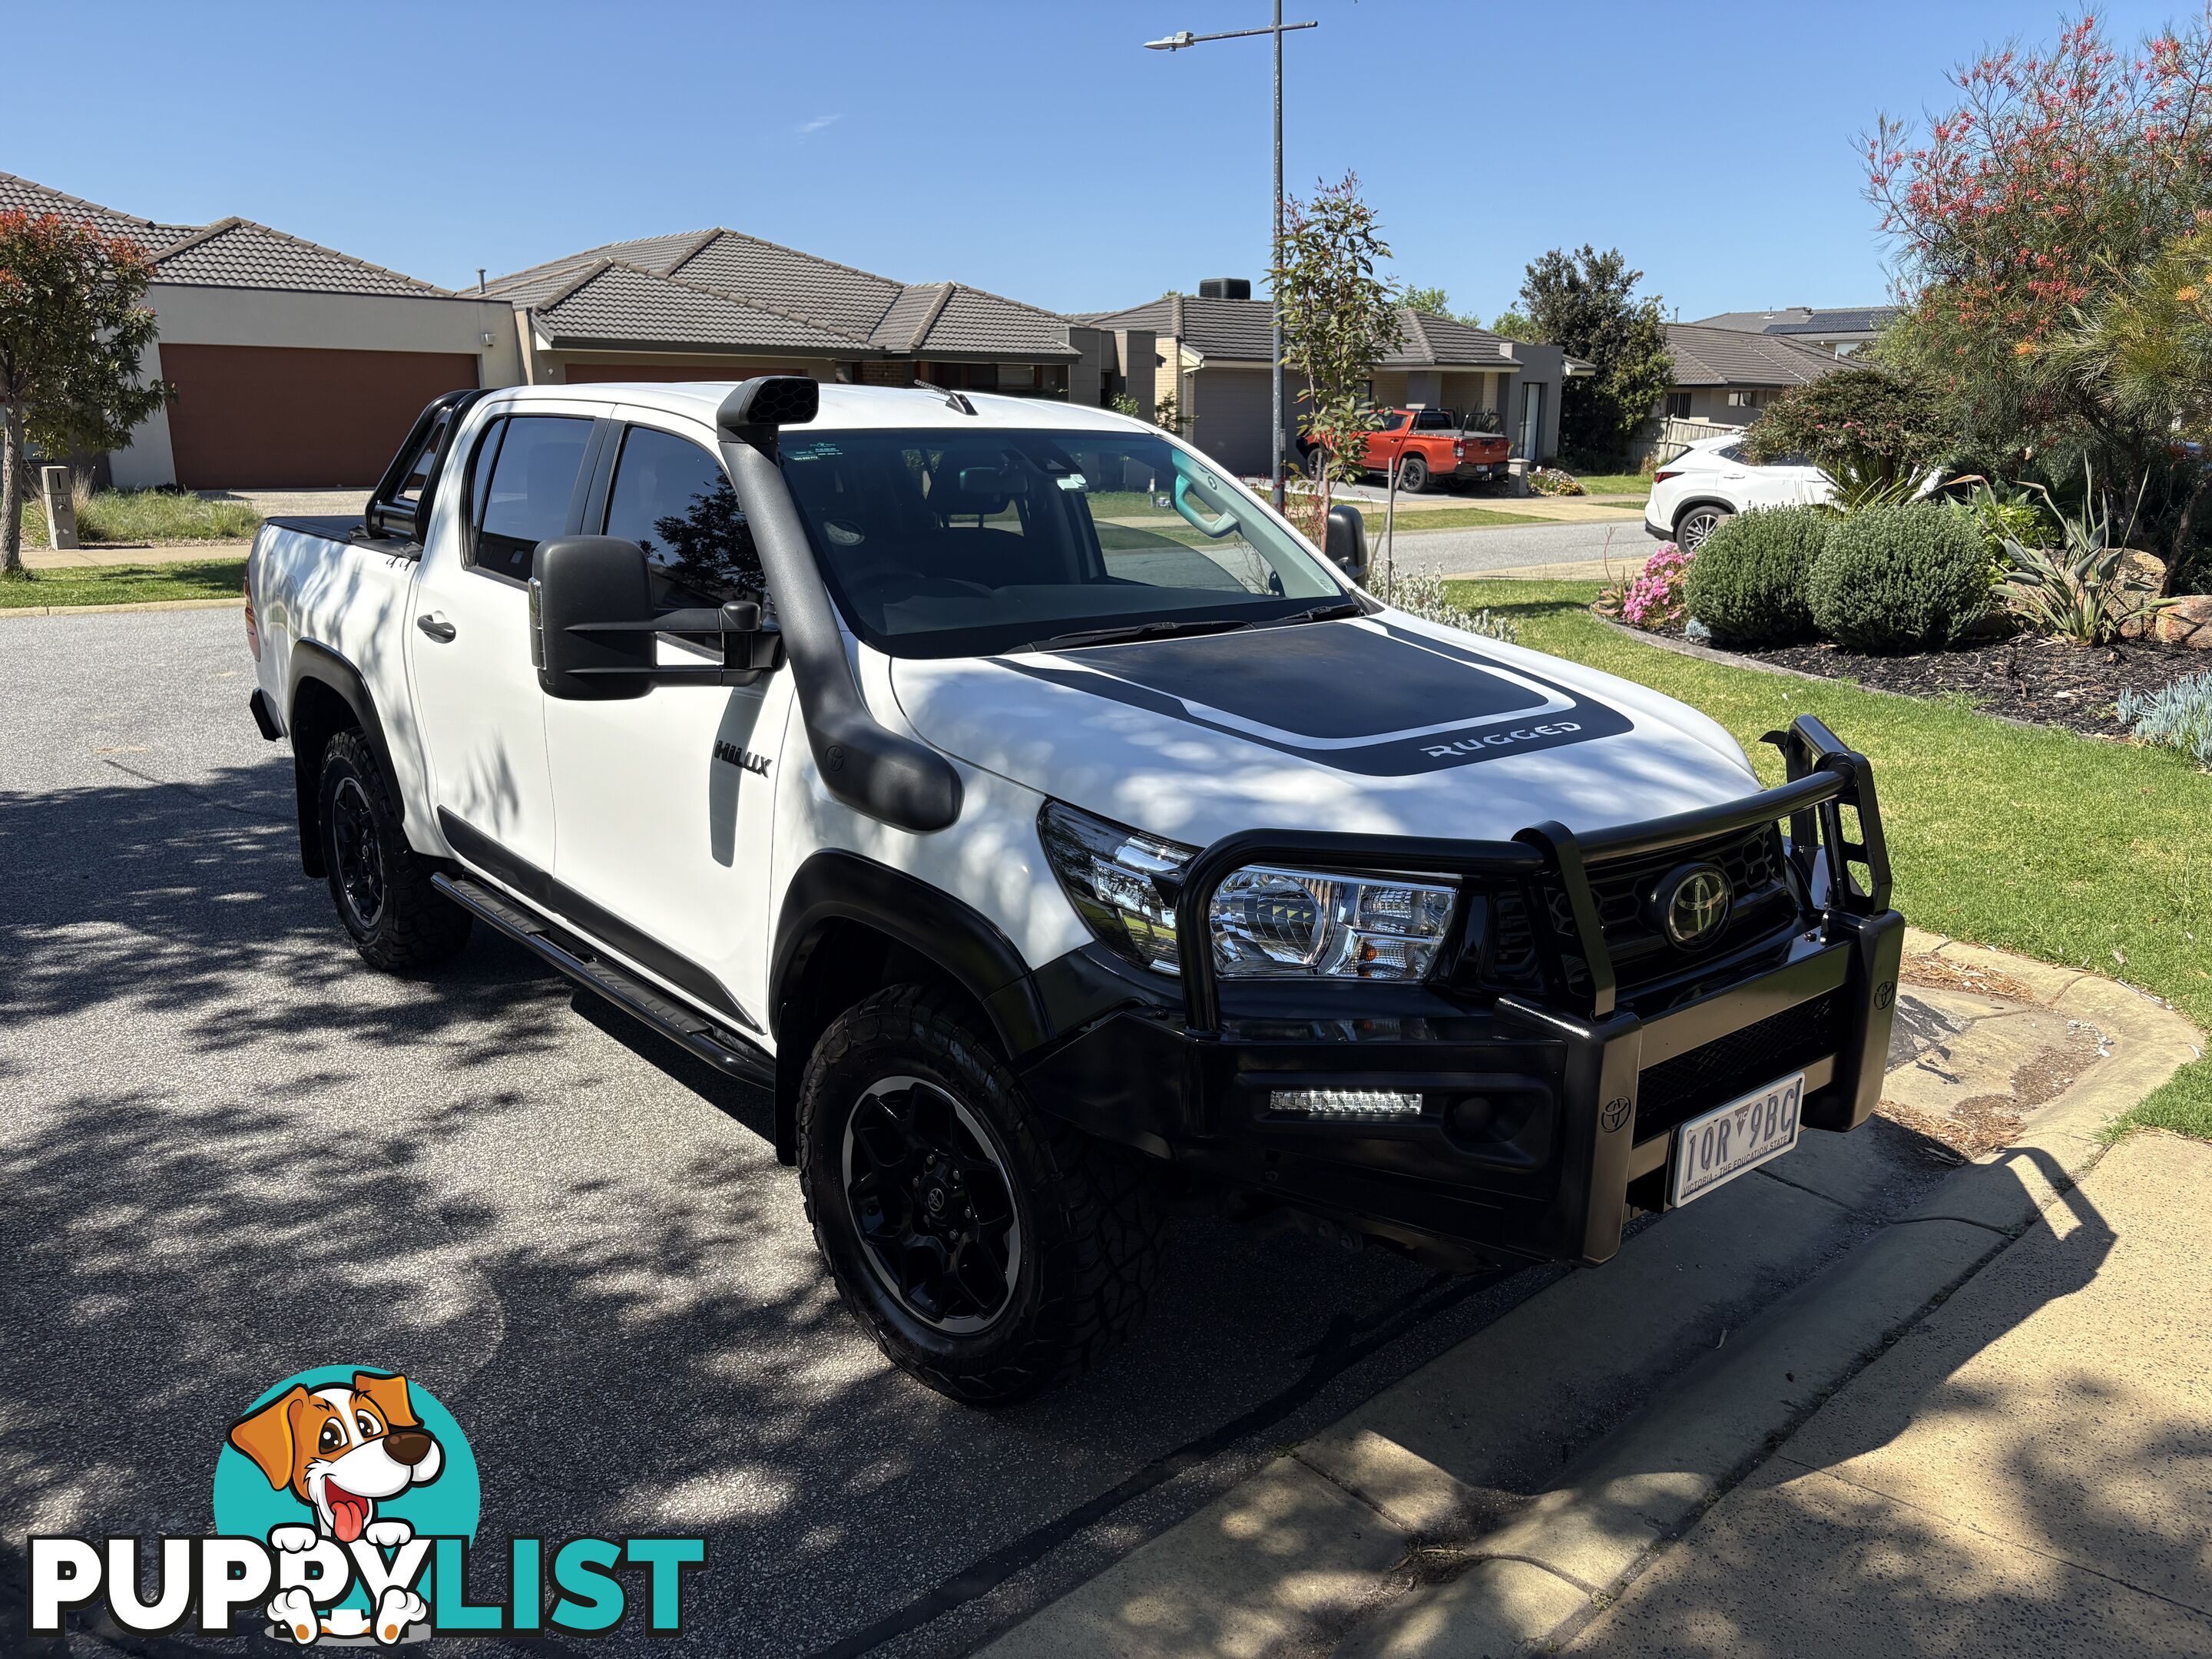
2025 677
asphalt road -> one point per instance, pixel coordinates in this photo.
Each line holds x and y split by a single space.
1499 547
228 1151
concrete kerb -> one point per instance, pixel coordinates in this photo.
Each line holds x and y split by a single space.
110 610
1567 1554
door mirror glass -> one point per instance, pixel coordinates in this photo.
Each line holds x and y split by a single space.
1347 542
578 584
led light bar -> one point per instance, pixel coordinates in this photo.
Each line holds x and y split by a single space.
1360 1104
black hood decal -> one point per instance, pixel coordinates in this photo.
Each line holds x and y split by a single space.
1360 696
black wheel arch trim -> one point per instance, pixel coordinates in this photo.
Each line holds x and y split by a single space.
835 885
1690 506
313 662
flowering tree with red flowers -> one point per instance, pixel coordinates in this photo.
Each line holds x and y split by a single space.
2054 174
71 329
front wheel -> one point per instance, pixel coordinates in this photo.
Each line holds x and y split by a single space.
990 1251
1700 522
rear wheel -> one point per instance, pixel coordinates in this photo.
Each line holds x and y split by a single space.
1413 475
1700 522
381 887
990 1251
1316 463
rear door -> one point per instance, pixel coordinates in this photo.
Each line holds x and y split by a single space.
476 692
1388 439
664 798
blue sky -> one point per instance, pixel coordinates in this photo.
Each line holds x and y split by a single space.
1029 148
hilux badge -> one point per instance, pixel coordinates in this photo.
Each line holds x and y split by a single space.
1693 902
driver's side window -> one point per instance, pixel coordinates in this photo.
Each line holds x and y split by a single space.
671 497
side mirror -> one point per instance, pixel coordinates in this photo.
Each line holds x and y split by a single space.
594 633
1347 542
578 585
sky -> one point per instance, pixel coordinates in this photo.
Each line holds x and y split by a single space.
1028 147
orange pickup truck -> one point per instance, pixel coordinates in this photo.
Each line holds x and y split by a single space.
1432 445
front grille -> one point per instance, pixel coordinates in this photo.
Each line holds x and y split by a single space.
1759 902
1677 1089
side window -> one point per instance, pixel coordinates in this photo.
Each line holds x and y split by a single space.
1390 419
673 499
524 478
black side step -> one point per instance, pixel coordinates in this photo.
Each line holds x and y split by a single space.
720 1048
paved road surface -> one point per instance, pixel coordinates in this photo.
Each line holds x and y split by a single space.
231 1151
1502 546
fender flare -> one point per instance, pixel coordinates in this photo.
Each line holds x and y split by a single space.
835 885
1696 502
312 661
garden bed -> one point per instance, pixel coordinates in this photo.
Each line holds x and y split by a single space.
2023 677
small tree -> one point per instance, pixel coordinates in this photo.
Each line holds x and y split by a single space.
1339 319
1587 303
71 329
1863 425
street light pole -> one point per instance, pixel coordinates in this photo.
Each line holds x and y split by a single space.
1278 28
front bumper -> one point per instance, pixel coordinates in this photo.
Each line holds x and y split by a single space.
1547 1119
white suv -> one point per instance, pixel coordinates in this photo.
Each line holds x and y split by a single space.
1711 482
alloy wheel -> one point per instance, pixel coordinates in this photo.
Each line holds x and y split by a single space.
930 1196
356 854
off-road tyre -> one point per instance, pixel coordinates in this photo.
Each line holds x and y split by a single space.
1413 474
380 884
1091 1214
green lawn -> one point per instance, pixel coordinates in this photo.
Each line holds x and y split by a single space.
1441 517
148 516
127 584
2090 853
1638 484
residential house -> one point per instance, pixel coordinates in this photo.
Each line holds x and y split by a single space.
1723 376
1838 331
1213 353
295 364
720 305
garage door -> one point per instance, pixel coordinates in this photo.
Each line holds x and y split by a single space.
596 374
250 417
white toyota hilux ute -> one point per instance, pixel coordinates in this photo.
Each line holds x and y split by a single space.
1054 833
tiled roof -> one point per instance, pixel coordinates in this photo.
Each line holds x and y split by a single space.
617 303
1242 330
972 321
836 296
1726 356
238 253
796 299
34 198
1425 339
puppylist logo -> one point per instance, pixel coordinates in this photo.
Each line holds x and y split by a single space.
346 1503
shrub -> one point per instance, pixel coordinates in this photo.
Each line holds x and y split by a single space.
1652 598
2175 716
1900 579
1422 593
1747 582
1550 481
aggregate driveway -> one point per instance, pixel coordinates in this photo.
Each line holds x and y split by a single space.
229 1151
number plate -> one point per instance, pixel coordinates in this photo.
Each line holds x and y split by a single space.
1715 1149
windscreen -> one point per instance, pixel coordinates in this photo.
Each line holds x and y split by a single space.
942 542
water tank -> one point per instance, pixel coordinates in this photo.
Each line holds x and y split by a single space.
1225 288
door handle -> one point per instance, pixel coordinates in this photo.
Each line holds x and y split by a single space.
437 628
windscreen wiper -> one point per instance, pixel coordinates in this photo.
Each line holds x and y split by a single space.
1334 610
1150 631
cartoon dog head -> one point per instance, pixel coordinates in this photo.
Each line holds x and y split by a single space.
339 1449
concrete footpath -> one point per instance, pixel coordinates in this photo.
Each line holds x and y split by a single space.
1499 1500
2028 1471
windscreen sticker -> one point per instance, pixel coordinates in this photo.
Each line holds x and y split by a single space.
1364 697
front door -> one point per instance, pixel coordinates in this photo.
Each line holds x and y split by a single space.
1532 420
664 798
469 641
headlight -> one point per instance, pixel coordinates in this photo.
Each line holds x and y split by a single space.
1266 922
